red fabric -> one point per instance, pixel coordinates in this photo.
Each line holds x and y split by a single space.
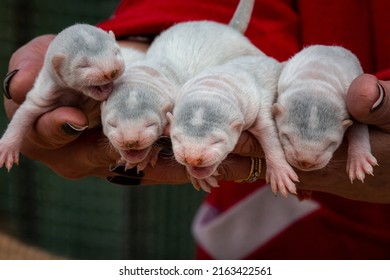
150 17
341 228
323 235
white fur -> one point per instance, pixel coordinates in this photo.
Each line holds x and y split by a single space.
176 55
214 107
311 113
130 56
81 63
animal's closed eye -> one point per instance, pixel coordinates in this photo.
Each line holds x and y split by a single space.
218 141
151 125
112 124
332 146
84 63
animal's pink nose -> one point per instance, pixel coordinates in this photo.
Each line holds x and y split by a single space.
193 161
305 164
132 144
111 75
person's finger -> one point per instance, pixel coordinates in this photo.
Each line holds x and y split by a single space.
59 127
235 168
93 153
88 155
28 60
247 145
368 101
169 172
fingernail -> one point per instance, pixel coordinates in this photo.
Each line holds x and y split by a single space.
130 176
121 170
7 81
164 142
126 181
381 98
72 130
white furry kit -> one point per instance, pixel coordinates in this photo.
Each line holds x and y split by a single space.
213 108
134 116
79 69
311 113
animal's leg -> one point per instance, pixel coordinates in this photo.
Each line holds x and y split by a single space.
151 158
360 160
279 173
23 119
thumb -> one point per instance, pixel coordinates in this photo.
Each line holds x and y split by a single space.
59 127
368 102
248 145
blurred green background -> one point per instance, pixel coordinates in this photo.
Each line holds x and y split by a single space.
88 218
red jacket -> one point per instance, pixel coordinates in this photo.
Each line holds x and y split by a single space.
329 226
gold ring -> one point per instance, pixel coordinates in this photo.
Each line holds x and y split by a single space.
255 171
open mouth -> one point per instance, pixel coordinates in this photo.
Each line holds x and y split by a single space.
202 172
135 156
101 92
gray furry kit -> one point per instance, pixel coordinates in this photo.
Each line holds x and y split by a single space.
206 82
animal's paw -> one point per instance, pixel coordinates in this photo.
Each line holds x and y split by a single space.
8 156
123 162
151 159
204 184
358 165
282 178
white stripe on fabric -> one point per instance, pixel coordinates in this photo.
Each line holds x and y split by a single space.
248 224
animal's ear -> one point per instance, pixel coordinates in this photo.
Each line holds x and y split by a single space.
57 62
347 123
111 33
237 126
170 117
278 110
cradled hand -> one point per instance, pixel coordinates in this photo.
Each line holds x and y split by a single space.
61 140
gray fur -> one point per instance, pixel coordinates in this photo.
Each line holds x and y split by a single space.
89 46
301 112
213 118
146 103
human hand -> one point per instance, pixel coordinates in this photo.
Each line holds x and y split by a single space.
59 140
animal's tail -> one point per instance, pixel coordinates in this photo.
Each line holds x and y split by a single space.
242 15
